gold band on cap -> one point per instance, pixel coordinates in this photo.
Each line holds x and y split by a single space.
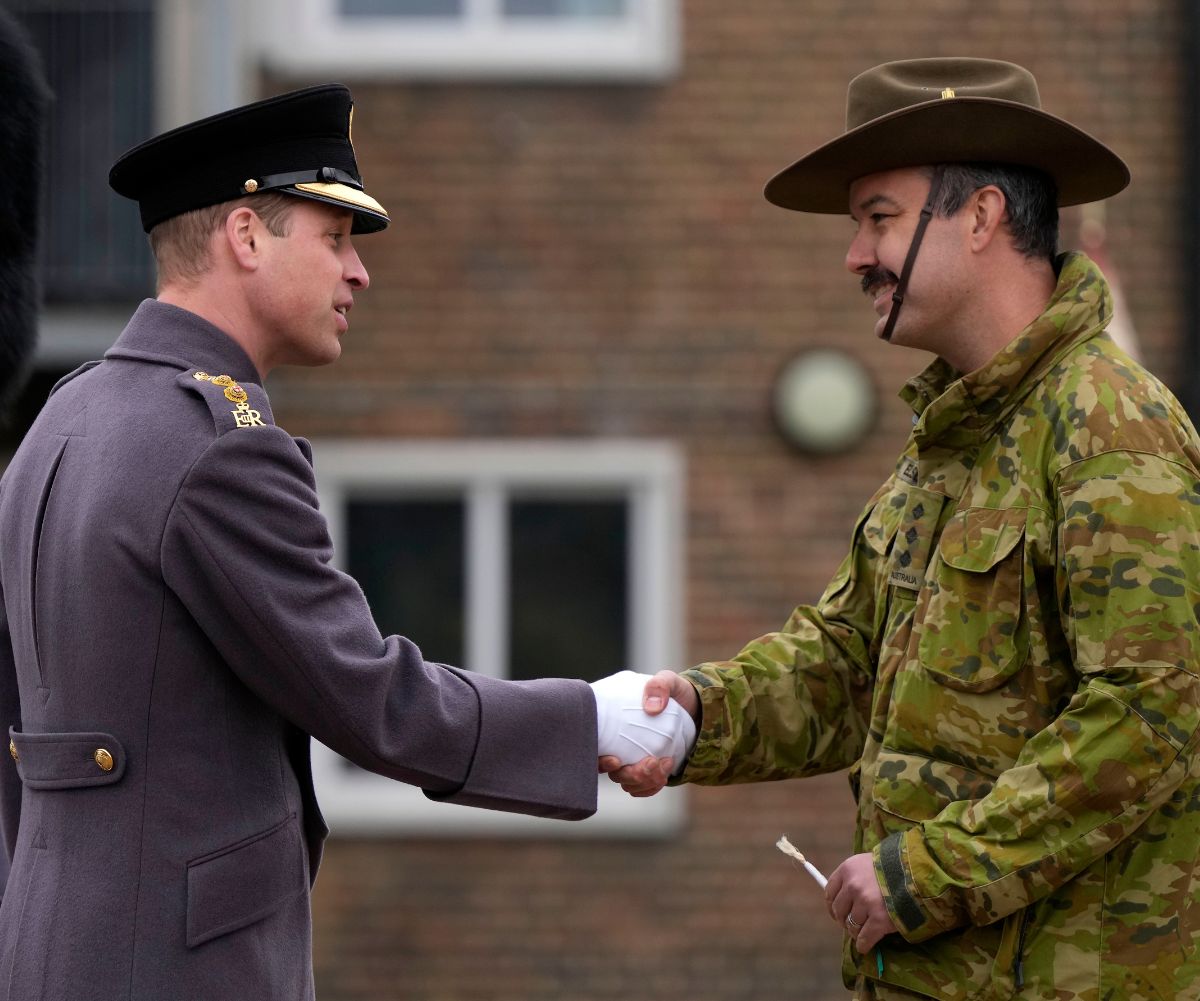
344 193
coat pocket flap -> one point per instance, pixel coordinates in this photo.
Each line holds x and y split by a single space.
244 882
978 538
972 627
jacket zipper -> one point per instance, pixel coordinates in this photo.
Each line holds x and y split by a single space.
1019 960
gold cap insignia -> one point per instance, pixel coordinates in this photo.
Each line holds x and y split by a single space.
948 93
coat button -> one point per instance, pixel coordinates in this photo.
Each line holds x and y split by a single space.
103 759
12 749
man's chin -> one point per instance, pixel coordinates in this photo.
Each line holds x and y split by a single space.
325 353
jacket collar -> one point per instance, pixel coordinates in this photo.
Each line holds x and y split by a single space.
167 335
958 410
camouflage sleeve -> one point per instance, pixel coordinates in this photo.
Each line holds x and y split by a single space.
1127 572
794 702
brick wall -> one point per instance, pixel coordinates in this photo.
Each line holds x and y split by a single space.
588 261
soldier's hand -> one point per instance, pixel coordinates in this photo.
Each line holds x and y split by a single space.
856 901
642 778
646 777
669 685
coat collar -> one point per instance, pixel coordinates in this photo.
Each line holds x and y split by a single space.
167 335
958 410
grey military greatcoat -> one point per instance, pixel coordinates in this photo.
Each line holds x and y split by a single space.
171 633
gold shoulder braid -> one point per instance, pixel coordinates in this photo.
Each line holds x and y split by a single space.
243 415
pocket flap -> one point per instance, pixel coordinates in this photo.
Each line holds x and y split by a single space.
916 788
881 521
971 622
244 882
978 538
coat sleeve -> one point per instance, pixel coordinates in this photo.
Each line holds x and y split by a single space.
247 552
1127 574
796 702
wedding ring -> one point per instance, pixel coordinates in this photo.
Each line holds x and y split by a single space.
851 922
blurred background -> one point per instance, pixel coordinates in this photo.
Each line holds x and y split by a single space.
602 406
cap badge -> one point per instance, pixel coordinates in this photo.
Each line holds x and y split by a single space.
948 93
251 185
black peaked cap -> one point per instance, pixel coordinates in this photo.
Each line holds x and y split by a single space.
297 143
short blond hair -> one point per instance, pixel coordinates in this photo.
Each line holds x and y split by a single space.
181 243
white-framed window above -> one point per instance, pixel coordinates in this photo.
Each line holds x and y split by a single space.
518 559
121 71
635 40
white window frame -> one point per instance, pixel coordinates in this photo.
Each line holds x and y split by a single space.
312 36
648 474
201 68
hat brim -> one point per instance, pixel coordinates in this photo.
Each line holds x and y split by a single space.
954 130
369 215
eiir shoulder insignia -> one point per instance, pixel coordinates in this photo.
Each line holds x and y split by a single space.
233 404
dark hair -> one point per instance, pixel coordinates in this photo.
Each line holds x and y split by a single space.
1030 196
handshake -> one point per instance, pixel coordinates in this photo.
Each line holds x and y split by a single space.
628 733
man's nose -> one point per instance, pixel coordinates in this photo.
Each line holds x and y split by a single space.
355 274
860 257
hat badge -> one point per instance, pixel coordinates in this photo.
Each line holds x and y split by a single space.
948 93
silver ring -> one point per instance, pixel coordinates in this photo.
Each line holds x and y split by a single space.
851 922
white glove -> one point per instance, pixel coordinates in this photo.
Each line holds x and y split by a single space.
625 731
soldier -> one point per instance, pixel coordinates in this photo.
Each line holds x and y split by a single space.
1007 659
171 630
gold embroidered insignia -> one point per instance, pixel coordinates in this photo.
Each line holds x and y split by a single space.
244 417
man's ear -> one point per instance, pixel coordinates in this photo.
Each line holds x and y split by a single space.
988 208
243 235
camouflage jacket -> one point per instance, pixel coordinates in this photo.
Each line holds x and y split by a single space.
1007 662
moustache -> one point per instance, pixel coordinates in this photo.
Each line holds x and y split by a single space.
877 278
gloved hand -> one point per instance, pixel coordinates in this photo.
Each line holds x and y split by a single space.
626 732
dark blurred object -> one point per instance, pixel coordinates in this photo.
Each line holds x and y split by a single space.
24 96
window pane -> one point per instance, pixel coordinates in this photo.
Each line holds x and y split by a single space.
611 9
402 8
408 557
568 588
99 62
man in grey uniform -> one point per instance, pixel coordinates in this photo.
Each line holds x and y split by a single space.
171 630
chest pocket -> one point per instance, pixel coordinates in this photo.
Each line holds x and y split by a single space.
973 626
